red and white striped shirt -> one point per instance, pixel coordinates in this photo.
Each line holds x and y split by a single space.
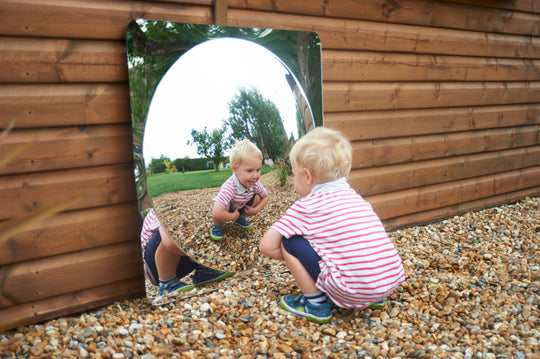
359 263
233 193
150 226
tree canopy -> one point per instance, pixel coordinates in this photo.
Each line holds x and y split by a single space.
257 119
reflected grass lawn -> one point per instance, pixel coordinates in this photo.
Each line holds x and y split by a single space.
161 183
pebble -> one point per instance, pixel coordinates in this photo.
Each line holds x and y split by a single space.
472 291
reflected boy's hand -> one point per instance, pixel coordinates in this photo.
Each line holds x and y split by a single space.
250 211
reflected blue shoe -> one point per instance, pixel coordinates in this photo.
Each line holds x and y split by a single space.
300 306
243 223
217 232
204 275
174 285
378 305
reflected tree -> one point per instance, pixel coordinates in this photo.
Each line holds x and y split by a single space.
153 46
211 145
257 119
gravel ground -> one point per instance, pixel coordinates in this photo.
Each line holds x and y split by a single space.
472 291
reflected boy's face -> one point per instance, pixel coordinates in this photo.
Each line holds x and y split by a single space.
249 171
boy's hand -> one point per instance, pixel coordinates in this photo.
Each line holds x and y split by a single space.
250 211
235 215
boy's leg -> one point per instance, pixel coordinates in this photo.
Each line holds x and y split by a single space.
303 262
241 221
270 245
167 256
167 260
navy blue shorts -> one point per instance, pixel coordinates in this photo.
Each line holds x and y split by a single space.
299 247
184 267
241 210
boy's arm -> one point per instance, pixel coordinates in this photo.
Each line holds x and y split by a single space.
250 211
270 244
221 214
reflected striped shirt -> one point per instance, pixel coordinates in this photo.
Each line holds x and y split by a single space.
150 226
233 194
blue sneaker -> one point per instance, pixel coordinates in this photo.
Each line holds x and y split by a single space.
378 305
204 275
243 223
300 306
217 232
174 285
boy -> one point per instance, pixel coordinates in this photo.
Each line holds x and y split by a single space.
333 243
242 194
165 264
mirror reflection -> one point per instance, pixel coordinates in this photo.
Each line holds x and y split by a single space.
197 91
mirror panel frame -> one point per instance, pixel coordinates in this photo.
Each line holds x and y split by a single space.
150 55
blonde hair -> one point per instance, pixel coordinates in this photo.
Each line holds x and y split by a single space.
243 149
325 152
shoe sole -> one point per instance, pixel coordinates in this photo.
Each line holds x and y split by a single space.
215 280
378 306
244 227
183 289
216 238
308 316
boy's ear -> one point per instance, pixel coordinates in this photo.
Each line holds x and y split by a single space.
309 176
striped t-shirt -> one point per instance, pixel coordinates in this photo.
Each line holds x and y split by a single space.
149 227
233 194
359 263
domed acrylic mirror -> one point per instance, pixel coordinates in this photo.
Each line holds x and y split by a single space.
196 90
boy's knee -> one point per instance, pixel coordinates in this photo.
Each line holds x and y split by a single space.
170 246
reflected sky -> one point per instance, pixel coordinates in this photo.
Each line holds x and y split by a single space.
195 91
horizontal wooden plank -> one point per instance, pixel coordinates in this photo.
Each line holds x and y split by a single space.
344 34
355 96
368 66
431 216
50 105
49 277
88 187
417 200
401 123
518 5
420 148
413 12
378 180
67 147
90 19
73 231
52 60
65 304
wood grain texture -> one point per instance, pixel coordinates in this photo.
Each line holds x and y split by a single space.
440 100
368 96
376 153
421 199
369 66
74 302
52 276
83 146
347 34
94 187
413 12
36 60
73 231
52 105
418 122
378 180
90 19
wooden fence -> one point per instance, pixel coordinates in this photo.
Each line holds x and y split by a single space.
441 100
